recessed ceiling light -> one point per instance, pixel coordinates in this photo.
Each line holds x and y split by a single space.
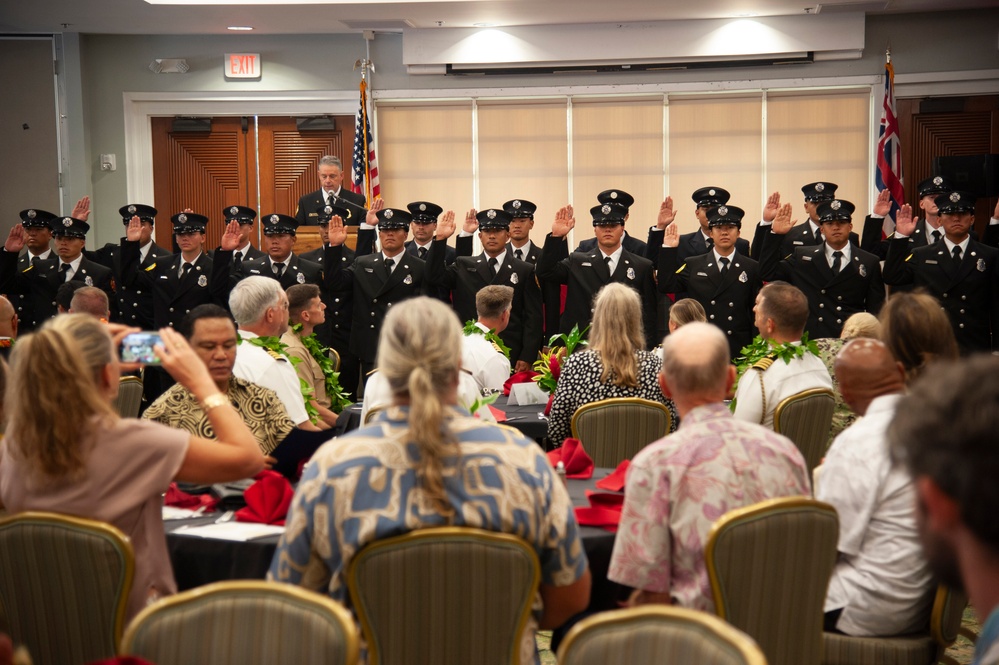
240 27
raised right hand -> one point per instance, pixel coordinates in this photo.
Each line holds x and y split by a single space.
337 233
471 224
905 224
15 239
445 226
230 239
671 238
134 229
666 214
783 222
771 207
564 222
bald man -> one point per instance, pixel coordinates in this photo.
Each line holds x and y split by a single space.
881 585
8 326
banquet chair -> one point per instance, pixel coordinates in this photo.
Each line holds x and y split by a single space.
444 595
653 634
129 398
613 430
244 622
64 585
769 566
922 648
335 357
805 418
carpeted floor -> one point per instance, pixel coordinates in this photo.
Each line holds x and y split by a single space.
961 651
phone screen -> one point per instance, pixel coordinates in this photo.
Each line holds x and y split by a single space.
138 348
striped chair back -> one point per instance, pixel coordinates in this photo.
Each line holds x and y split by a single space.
444 595
244 622
613 430
64 585
129 399
805 418
769 566
654 634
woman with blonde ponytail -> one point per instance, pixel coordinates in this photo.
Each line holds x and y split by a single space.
426 462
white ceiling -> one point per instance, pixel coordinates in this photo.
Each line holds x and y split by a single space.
325 16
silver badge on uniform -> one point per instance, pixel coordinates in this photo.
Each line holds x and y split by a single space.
202 281
613 195
233 210
491 214
743 277
514 279
711 192
955 197
32 214
182 218
862 269
88 281
131 209
606 209
408 279
67 222
516 205
423 207
938 181
819 187
274 219
388 214
300 278
835 205
722 210
981 265
631 273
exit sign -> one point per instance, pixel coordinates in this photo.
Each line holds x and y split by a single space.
242 66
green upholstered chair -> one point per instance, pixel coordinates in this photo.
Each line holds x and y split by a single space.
655 634
769 566
613 430
923 648
805 418
129 398
244 622
64 585
444 595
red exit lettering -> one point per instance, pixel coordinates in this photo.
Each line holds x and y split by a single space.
243 65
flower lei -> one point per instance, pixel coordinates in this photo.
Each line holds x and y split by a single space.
472 329
760 348
334 391
549 367
277 346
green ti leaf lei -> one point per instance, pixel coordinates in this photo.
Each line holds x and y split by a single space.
277 346
560 347
482 401
760 348
334 391
472 329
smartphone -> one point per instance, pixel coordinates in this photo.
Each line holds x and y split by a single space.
138 348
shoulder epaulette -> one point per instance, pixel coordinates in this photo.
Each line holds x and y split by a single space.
764 363
681 269
496 347
275 355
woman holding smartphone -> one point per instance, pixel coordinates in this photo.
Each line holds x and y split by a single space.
67 451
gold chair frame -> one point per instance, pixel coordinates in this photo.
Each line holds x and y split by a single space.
812 456
609 404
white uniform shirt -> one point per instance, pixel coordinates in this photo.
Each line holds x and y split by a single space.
255 365
488 367
881 578
779 382
377 394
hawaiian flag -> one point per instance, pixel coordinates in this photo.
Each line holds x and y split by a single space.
364 169
889 173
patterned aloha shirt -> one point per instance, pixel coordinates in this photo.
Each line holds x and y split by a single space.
363 487
259 407
678 486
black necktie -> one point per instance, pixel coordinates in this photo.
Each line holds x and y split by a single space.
185 270
493 264
607 261
64 271
388 265
422 251
956 252
709 243
936 236
837 262
34 262
519 253
278 269
818 236
724 266
237 260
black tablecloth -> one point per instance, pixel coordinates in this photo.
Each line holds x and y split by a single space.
197 561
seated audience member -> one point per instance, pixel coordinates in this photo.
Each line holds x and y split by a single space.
211 333
8 327
378 396
481 356
64 295
66 450
861 324
615 364
917 331
684 311
781 312
881 584
947 440
306 309
260 307
90 300
434 454
668 507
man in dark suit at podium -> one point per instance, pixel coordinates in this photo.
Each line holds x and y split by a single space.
331 192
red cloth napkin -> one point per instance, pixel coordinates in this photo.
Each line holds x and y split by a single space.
267 500
500 416
615 481
604 510
178 498
577 463
520 377
121 660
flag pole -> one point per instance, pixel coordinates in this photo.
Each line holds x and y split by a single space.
365 64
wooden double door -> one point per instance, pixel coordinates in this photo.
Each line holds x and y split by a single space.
262 162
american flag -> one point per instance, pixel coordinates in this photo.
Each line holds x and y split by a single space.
889 173
364 170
